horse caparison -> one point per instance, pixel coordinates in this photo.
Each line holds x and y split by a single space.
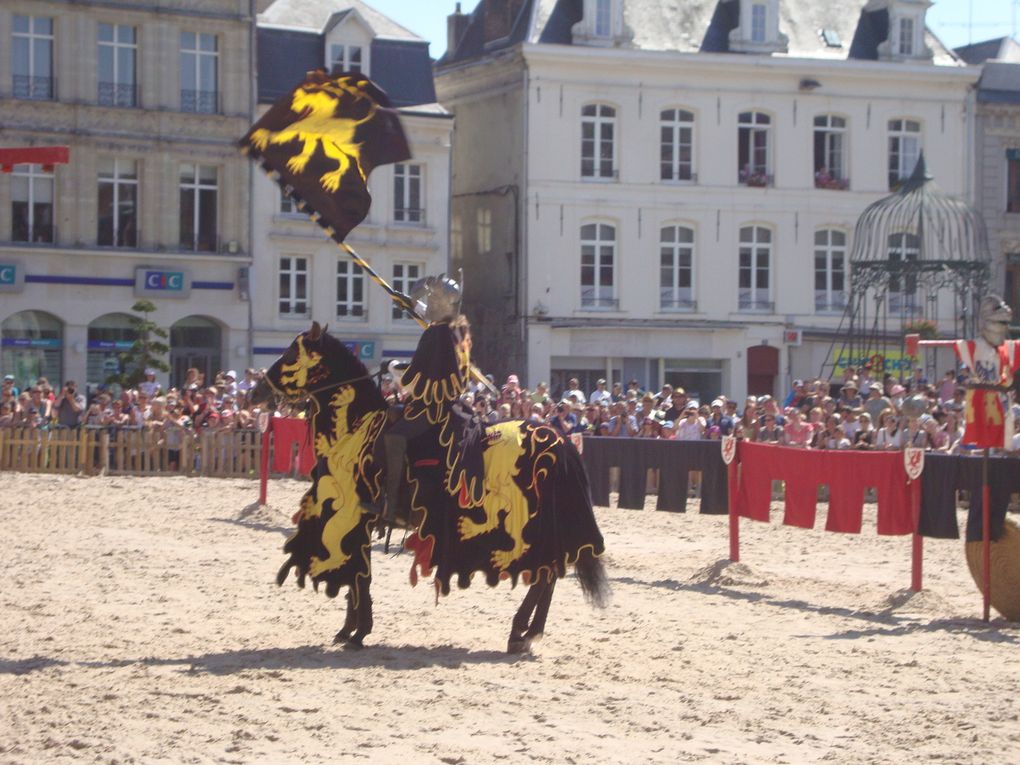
531 475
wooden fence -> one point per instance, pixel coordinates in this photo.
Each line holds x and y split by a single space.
128 451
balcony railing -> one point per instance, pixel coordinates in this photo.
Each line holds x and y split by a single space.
824 180
678 304
904 303
40 233
755 304
35 88
200 243
118 94
829 303
758 180
200 101
409 215
604 303
347 312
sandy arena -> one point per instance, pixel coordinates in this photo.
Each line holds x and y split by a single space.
141 623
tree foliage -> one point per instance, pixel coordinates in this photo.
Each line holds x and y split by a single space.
147 350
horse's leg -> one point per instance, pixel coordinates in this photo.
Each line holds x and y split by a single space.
537 627
364 616
350 623
517 642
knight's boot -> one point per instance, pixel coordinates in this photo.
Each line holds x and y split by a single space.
396 449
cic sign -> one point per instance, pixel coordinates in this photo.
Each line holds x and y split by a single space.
162 283
12 276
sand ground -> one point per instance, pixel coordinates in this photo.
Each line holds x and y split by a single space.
141 623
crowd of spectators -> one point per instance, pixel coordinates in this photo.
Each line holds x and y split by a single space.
856 412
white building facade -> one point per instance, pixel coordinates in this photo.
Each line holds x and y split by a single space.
154 200
300 275
670 197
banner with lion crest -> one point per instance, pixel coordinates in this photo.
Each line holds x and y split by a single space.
321 142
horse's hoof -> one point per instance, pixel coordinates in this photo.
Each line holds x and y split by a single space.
341 637
354 644
515 646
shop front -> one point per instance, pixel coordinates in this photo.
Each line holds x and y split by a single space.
31 346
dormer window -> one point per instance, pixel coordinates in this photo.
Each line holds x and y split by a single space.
905 37
348 43
906 25
600 24
346 58
603 18
758 29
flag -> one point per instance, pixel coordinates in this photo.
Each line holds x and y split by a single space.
322 140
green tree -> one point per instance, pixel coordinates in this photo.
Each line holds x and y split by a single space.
148 349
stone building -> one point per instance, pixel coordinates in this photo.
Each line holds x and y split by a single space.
667 191
299 274
150 97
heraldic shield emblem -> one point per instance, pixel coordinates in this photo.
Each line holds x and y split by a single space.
913 461
729 449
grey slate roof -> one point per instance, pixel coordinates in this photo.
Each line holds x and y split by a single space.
1000 83
318 16
1001 48
700 25
290 40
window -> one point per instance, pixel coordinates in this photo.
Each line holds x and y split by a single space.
404 277
830 271
754 293
904 249
676 152
32 47
1013 183
117 57
754 149
345 58
350 289
294 287
598 258
904 150
199 65
118 203
830 153
198 207
407 207
603 18
758 15
905 37
598 141
31 204
676 268
287 205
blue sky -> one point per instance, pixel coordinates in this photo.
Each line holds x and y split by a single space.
957 22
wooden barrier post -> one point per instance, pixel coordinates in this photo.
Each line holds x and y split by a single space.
264 463
917 546
731 475
986 538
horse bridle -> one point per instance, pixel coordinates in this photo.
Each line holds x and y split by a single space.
282 394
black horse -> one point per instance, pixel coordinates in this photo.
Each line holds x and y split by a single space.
528 514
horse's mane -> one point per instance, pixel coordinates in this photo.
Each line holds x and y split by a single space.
347 366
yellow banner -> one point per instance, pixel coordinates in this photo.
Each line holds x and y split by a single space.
893 362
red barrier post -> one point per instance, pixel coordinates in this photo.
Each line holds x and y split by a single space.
731 473
917 550
986 539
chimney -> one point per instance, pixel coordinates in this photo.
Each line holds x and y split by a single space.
456 23
500 16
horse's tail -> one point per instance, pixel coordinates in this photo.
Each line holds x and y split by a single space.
592 576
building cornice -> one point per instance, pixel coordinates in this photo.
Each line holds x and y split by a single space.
152 255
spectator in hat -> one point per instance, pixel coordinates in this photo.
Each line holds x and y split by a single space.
69 406
251 379
668 430
600 393
149 386
574 391
796 395
623 422
691 427
849 396
9 386
897 393
616 393
876 403
230 382
718 419
768 405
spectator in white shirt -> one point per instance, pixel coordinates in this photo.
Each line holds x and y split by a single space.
600 393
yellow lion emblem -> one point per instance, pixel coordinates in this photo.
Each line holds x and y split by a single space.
319 126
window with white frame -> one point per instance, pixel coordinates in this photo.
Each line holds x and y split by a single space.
32 204
905 36
754 149
118 203
118 50
598 265
32 57
759 15
830 270
676 268
603 18
755 269
199 72
293 300
287 205
404 276
904 249
346 58
598 141
199 188
831 153
676 145
407 196
350 289
904 150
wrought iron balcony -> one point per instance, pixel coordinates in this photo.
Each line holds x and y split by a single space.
200 101
754 304
118 94
678 304
35 88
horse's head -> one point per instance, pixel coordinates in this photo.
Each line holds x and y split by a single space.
314 363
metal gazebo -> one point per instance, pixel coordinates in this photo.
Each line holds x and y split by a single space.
911 250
